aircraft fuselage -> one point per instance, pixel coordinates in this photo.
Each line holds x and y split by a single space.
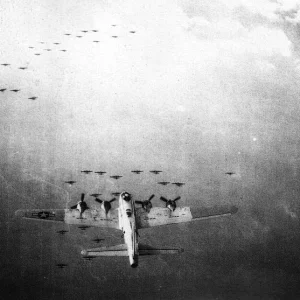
128 226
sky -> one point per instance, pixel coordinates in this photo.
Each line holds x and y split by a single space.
197 89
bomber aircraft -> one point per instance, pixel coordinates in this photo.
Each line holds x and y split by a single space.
128 219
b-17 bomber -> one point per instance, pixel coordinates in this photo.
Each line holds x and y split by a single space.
127 219
137 171
63 50
155 171
86 171
70 182
61 266
178 183
97 240
116 177
114 36
37 54
100 172
5 65
95 195
230 173
3 90
96 41
56 43
22 68
62 232
32 98
116 194
163 182
15 90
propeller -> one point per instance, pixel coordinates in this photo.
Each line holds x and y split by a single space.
170 204
106 205
81 205
146 204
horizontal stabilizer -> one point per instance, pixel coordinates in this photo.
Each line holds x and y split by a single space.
148 250
118 250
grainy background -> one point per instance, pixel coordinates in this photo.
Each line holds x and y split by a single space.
200 88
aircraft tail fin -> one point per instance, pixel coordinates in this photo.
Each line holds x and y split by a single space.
148 250
118 250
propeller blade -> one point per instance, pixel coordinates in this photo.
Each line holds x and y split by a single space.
177 198
82 197
112 200
163 199
98 200
151 197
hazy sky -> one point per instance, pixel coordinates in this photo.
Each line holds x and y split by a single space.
199 89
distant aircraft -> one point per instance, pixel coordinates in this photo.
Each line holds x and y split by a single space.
230 173
81 206
90 257
96 41
42 42
128 219
116 177
84 227
85 31
97 240
31 47
100 172
63 50
32 98
67 33
146 204
105 205
163 182
137 171
2 90
56 43
62 232
95 30
5 65
22 68
15 91
114 36
179 183
114 25
132 31
170 204
86 171
116 194
79 36
37 54
48 49
61 266
155 172
70 182
95 195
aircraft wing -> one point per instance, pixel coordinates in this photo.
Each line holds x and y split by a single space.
159 216
90 217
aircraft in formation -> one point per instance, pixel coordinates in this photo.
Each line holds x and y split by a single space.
178 183
116 177
86 171
97 240
62 232
15 90
116 194
128 219
155 172
23 68
70 182
230 173
61 266
95 195
5 65
137 171
100 172
163 182
2 90
32 98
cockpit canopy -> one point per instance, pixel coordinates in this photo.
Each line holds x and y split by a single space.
126 196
